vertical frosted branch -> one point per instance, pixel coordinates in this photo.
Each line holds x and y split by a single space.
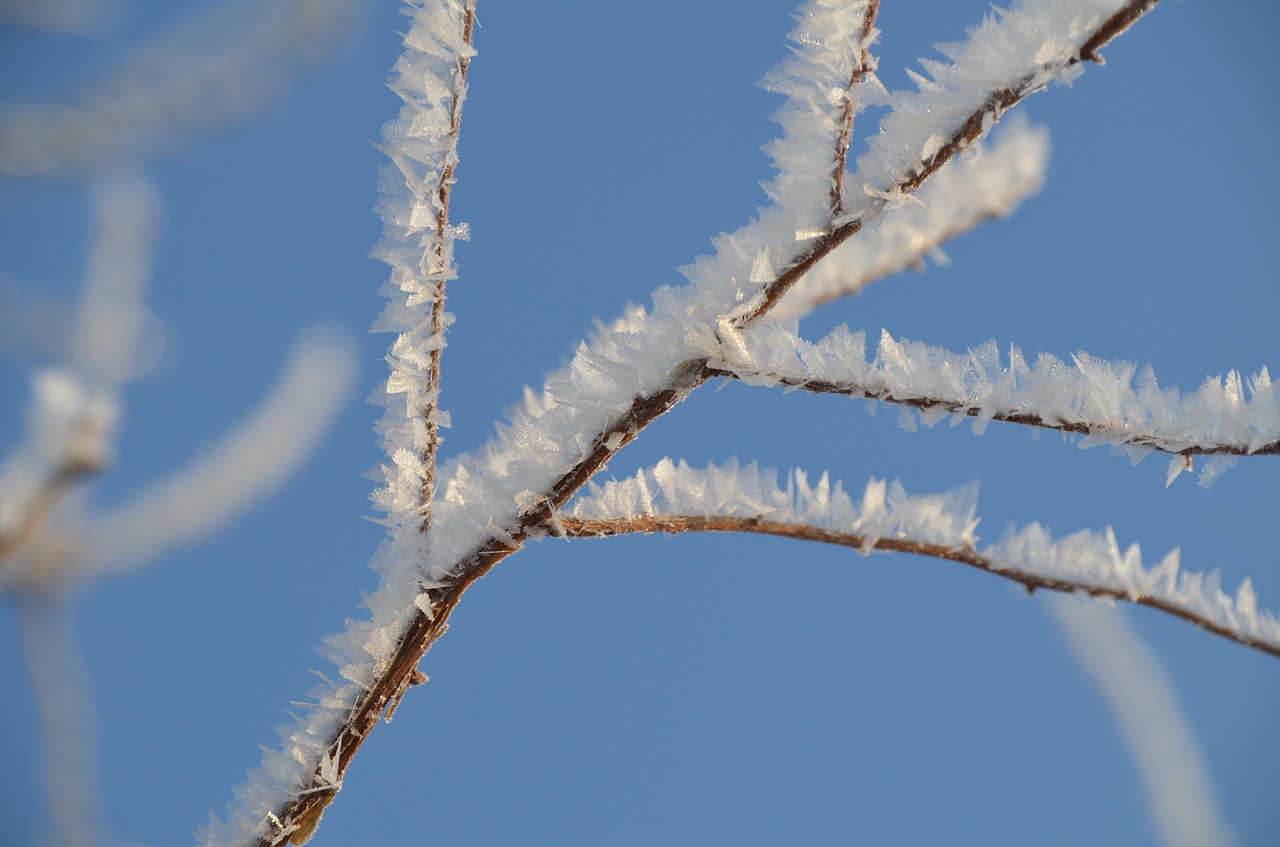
823 83
422 143
283 801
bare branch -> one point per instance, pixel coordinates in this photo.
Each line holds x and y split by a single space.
600 528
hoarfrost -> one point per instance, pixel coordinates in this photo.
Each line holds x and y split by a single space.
1107 402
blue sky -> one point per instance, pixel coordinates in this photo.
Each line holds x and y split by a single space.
696 689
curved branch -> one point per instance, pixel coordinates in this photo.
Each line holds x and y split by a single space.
176 92
605 527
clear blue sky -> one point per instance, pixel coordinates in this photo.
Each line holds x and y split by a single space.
698 689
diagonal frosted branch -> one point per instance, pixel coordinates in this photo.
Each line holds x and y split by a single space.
990 182
1108 402
672 497
1011 55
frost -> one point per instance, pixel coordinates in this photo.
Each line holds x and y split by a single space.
884 510
1107 402
1216 467
486 496
1096 561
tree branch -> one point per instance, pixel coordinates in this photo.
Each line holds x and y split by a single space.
972 127
1095 398
298 817
607 527
442 260
845 134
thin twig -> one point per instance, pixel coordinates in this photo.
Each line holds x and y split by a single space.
1100 429
442 259
845 134
601 528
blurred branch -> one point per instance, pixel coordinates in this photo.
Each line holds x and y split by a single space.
229 478
1141 698
74 406
70 17
61 690
178 90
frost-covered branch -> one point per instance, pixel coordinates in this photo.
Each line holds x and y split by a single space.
1008 57
489 503
422 144
676 498
431 78
823 81
1108 402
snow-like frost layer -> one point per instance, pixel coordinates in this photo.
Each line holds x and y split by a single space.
1115 401
818 82
884 511
1095 560
1023 48
428 79
1087 560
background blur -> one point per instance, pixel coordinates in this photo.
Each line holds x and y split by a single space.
696 689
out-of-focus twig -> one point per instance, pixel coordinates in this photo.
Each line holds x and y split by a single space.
1170 765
